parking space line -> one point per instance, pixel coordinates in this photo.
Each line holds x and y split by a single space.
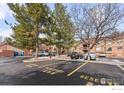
34 64
44 70
51 71
77 69
31 65
28 65
50 64
120 67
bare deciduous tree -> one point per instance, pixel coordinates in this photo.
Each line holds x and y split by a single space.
92 22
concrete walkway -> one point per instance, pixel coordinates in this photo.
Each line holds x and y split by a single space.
62 57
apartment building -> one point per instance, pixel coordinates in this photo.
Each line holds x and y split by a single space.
109 47
9 51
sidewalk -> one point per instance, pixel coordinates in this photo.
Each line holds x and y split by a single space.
104 61
62 57
13 59
8 60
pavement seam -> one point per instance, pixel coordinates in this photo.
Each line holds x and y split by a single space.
77 69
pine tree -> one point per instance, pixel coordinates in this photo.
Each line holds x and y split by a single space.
64 31
31 18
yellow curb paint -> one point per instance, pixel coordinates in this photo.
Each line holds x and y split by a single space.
77 69
120 67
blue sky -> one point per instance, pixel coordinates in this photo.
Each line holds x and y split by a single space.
6 14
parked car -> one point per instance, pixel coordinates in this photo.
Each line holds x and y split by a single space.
43 53
69 54
76 55
102 55
52 53
92 56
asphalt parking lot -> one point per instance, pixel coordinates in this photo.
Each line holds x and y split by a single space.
60 72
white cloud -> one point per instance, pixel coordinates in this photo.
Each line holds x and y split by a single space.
4 11
6 33
2 15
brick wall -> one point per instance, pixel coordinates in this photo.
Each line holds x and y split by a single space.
1 54
7 53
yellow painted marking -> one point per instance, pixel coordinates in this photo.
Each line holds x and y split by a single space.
86 77
91 78
109 83
28 65
34 64
97 80
53 69
53 73
77 69
47 68
89 83
44 71
48 71
120 67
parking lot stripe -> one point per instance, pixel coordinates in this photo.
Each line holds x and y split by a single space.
77 69
120 67
50 64
28 65
44 71
34 64
53 73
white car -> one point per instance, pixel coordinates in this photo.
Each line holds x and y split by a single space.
43 53
92 56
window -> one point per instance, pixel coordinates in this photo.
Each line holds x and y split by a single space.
109 49
120 42
119 48
98 48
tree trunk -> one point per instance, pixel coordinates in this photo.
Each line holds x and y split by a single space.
37 49
37 41
88 52
50 52
30 53
105 46
59 51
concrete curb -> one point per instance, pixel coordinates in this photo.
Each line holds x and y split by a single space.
45 59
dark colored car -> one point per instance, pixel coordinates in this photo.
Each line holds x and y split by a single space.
76 55
52 53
